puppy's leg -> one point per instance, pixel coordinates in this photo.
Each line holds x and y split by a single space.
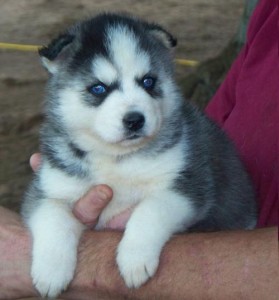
153 222
56 233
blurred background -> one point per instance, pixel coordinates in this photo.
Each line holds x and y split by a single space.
208 31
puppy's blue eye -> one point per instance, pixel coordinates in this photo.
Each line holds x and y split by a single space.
98 89
148 82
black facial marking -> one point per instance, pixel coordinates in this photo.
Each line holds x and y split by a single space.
154 90
96 100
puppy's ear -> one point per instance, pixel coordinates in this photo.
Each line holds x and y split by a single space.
56 52
163 36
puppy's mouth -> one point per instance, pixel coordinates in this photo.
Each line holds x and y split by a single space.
134 136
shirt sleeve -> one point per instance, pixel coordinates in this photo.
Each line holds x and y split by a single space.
223 102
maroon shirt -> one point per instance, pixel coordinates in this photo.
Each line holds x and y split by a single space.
246 107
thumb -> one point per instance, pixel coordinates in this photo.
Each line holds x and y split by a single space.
35 161
89 207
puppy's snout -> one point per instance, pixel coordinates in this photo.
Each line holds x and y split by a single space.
134 121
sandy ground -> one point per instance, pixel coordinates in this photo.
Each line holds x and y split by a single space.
203 28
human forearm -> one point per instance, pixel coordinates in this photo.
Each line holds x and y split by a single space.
223 265
15 257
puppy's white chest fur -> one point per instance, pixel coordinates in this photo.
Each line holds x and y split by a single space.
135 178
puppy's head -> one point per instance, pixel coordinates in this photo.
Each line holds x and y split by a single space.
111 86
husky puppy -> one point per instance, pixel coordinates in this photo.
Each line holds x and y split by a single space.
114 115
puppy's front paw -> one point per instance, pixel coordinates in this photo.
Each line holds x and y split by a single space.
52 271
136 264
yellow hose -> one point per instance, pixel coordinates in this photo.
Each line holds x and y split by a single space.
21 47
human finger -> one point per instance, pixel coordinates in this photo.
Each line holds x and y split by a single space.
89 207
35 161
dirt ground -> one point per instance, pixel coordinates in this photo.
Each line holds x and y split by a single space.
203 28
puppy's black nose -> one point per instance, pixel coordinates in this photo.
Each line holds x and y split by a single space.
133 121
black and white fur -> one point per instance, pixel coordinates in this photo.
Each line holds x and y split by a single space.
176 169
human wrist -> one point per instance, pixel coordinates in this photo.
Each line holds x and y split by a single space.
16 262
96 273
102 248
